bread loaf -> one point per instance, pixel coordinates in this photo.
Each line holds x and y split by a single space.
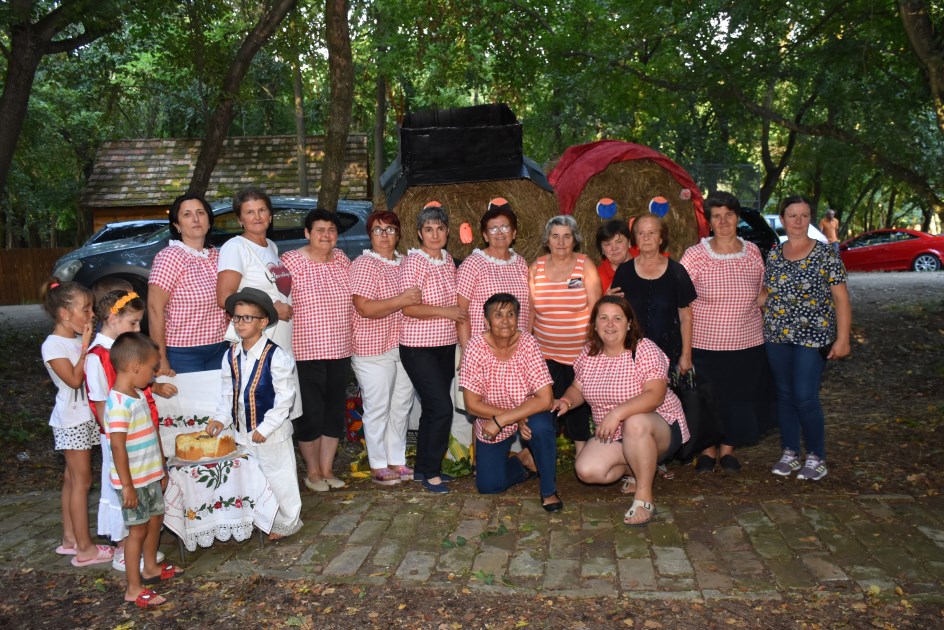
192 447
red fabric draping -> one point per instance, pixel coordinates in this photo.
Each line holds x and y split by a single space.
581 162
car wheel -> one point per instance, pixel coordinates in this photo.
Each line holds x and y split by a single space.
926 262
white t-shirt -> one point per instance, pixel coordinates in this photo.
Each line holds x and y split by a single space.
72 407
261 269
95 376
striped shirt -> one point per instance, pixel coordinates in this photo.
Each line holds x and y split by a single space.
130 415
562 312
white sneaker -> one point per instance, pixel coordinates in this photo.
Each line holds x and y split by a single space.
118 562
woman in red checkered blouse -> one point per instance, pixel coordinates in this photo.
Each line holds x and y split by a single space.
386 389
639 421
727 332
428 341
494 269
507 386
321 343
185 321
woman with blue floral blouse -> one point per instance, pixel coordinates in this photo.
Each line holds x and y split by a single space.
807 317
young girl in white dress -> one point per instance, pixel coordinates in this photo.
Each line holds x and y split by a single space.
73 428
119 311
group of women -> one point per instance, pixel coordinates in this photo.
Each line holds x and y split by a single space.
556 337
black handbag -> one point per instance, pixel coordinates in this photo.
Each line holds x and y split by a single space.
701 413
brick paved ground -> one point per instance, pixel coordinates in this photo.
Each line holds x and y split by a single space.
706 547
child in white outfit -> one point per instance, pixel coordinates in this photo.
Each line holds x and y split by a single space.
257 396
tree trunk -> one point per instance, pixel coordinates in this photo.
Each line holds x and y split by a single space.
25 53
300 138
29 43
219 122
341 73
928 46
380 127
890 213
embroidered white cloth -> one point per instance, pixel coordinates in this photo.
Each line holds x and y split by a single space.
218 501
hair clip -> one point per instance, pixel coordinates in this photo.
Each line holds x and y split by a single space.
53 285
122 302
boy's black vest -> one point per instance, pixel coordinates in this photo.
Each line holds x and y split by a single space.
259 396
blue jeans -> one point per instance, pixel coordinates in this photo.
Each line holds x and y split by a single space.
197 358
495 472
798 371
431 371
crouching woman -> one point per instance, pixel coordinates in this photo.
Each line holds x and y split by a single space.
507 388
639 421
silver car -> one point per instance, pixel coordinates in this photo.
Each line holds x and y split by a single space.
131 258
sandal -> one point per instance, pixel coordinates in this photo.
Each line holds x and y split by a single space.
384 477
62 550
629 485
631 513
168 572
665 472
147 599
104 553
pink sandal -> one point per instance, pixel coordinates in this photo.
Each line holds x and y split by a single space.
104 554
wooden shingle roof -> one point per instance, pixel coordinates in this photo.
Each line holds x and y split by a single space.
155 171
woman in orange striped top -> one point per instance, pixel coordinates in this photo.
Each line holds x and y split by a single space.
564 287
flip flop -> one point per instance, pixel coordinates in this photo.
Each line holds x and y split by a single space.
66 551
631 513
147 599
168 572
629 485
105 554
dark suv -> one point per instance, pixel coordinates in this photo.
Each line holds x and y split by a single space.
131 258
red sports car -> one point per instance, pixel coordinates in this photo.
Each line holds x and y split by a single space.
895 249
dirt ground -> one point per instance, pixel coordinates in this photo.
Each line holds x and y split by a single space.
884 408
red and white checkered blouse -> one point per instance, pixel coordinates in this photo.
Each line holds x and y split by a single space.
725 315
192 317
437 280
322 307
376 278
610 381
504 384
481 276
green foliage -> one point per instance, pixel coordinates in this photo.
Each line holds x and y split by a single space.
701 82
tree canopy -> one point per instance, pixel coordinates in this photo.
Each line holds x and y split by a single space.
842 100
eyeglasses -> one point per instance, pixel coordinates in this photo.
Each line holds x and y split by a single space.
495 229
237 319
377 231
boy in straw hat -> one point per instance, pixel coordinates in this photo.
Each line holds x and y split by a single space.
257 395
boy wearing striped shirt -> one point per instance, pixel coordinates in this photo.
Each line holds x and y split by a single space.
137 470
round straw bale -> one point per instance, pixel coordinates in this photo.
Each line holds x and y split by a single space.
466 203
632 184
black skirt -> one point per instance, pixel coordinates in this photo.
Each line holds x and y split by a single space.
740 390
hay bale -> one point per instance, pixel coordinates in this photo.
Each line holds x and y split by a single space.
632 184
466 203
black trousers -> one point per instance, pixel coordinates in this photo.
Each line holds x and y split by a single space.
577 420
431 370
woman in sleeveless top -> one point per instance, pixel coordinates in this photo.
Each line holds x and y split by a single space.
564 287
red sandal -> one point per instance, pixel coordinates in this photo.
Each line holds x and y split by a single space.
168 572
147 599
